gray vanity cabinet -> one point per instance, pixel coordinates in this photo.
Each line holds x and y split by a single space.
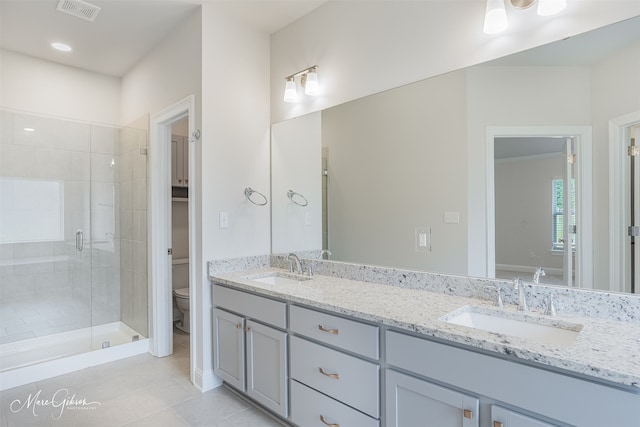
335 373
415 402
228 346
502 417
250 346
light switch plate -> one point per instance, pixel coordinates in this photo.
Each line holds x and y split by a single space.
452 217
224 219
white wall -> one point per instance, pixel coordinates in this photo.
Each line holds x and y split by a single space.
235 151
296 165
366 47
169 73
616 91
43 87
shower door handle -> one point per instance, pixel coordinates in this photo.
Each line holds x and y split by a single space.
79 240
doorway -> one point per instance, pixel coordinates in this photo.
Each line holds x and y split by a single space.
539 204
624 203
161 310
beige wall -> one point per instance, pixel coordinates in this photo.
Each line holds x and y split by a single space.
396 162
523 195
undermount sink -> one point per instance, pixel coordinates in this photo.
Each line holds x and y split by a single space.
542 330
278 278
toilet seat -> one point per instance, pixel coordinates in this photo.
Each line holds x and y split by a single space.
181 293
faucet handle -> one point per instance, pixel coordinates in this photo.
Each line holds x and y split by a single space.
499 302
309 269
550 307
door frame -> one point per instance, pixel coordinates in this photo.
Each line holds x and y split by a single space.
160 296
619 133
584 219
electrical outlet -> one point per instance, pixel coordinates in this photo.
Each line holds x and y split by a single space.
423 239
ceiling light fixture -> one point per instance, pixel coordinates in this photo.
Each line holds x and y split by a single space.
308 80
495 17
63 47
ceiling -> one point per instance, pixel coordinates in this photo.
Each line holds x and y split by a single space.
124 31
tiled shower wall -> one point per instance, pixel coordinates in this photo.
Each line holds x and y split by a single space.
133 229
46 285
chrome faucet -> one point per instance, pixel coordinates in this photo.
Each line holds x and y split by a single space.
522 296
294 260
539 272
323 252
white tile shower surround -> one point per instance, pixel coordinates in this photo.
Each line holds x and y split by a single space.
138 391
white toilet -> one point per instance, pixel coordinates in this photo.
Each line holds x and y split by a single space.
182 300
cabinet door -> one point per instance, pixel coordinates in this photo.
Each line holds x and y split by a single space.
185 161
228 348
267 366
501 417
412 402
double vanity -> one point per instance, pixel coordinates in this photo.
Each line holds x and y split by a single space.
354 345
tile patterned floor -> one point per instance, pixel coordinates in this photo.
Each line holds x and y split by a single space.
135 392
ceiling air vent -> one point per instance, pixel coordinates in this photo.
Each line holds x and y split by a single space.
79 9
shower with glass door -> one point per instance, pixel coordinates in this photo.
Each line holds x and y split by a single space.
73 238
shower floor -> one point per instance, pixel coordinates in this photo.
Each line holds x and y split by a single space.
35 350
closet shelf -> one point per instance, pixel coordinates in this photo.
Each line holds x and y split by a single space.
179 261
180 199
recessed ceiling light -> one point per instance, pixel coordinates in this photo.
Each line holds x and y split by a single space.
29 130
61 47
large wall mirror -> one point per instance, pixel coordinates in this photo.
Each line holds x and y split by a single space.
495 170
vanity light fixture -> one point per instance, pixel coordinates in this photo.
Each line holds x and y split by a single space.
495 16
308 80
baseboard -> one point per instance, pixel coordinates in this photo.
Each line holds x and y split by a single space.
206 380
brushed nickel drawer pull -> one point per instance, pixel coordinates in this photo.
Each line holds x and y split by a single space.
467 413
329 331
324 421
334 376
497 424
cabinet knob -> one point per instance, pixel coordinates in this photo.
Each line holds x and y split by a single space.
497 424
238 325
324 421
329 331
334 376
247 329
179 180
467 413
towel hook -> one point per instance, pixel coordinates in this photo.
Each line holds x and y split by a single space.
248 192
302 201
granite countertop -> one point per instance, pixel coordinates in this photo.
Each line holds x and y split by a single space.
604 349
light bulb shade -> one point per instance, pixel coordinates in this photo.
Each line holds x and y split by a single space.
551 7
495 18
311 87
290 91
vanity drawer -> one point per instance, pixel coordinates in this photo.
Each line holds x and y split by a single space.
252 306
347 334
346 378
308 406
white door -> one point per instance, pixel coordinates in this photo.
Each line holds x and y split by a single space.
635 211
569 214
